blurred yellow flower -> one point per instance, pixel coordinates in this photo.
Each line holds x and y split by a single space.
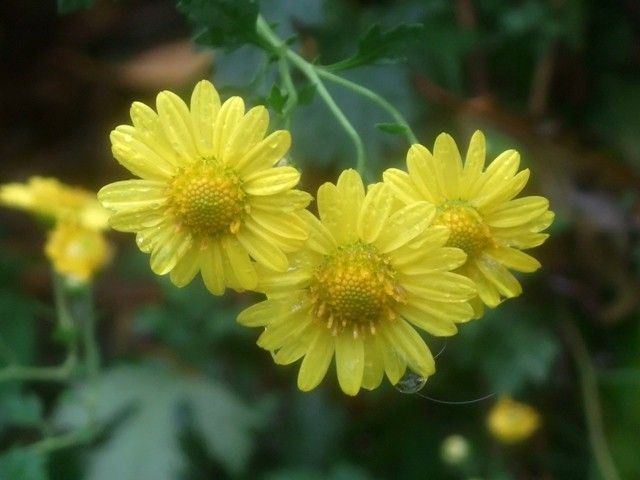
368 275
76 252
56 201
478 206
511 422
210 198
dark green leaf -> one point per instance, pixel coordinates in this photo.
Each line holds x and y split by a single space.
145 446
393 128
227 24
378 46
18 408
17 328
23 464
276 99
68 6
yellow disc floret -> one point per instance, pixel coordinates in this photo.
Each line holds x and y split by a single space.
467 230
207 199
354 289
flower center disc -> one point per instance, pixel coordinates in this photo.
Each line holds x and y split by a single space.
354 288
208 200
467 230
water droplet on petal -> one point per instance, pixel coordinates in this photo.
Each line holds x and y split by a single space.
410 382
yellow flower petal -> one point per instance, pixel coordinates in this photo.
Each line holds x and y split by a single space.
373 364
474 163
339 204
514 259
296 277
418 262
401 185
241 265
176 123
265 253
425 173
166 254
497 274
230 114
265 154
435 311
272 181
506 192
132 221
405 225
288 324
441 286
291 352
138 157
247 133
517 212
435 326
133 195
289 201
287 225
320 239
316 362
447 156
205 105
186 268
349 362
394 365
149 131
499 171
374 212
410 347
212 269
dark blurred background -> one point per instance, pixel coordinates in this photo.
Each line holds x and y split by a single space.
557 79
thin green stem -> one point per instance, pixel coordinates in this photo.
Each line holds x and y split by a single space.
281 49
88 320
292 93
591 400
46 374
66 440
374 97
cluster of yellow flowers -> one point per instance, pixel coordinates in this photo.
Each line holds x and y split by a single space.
75 244
425 249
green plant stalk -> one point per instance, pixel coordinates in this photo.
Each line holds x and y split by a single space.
88 319
70 439
591 400
292 93
371 95
280 48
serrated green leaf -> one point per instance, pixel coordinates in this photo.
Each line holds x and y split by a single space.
23 464
222 23
145 445
276 99
392 128
68 6
377 46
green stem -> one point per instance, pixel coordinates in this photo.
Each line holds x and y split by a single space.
45 374
374 97
591 399
309 71
59 442
89 332
292 93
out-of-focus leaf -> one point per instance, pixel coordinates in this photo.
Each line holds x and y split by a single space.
17 328
276 99
68 6
23 464
339 472
510 346
378 45
392 128
222 23
17 408
145 445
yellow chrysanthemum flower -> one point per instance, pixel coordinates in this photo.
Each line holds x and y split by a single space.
210 198
479 208
50 198
511 422
368 275
76 252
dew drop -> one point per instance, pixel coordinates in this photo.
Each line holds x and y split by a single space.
410 383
